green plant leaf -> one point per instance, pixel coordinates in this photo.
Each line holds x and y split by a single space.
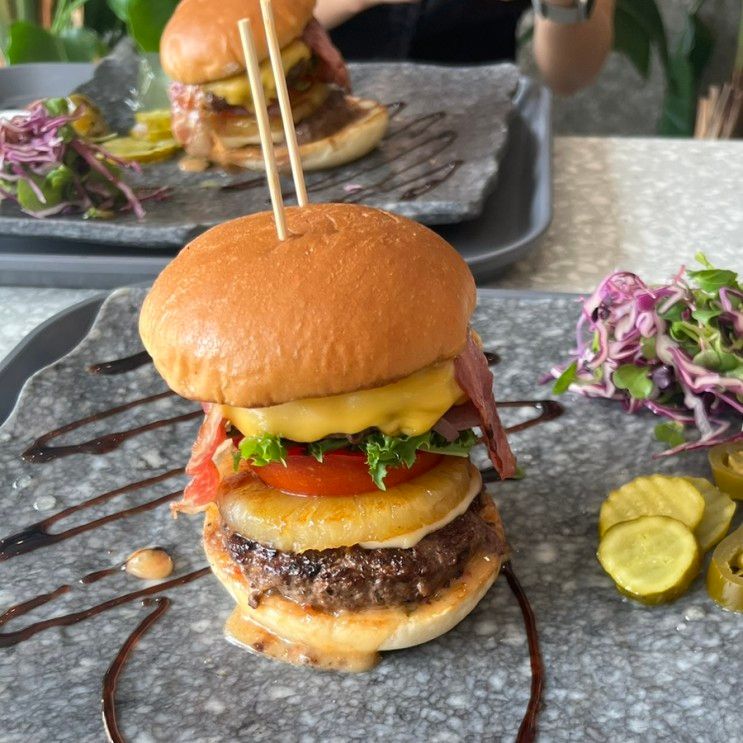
705 316
81 44
648 346
563 382
680 101
63 12
28 42
647 20
634 379
701 258
101 18
53 186
631 40
26 10
696 43
671 433
713 279
146 20
683 74
722 362
120 9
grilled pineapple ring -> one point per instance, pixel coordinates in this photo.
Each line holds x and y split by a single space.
398 517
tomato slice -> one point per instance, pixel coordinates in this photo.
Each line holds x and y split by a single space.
341 472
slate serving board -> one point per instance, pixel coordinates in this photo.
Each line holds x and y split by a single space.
462 115
615 671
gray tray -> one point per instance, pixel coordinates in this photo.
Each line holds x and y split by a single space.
615 670
514 216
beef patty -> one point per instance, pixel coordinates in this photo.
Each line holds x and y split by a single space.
349 578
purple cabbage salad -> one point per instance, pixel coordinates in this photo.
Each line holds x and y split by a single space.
675 349
47 168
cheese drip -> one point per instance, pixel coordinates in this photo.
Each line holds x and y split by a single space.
236 90
408 407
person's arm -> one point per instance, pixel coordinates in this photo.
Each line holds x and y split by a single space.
332 13
569 56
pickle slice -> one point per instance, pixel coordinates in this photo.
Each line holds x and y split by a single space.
153 126
719 510
141 151
652 559
656 495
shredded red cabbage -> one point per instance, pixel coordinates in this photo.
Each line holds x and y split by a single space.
676 350
47 169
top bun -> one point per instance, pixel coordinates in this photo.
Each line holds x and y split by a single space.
355 298
201 41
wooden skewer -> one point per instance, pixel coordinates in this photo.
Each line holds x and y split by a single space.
264 126
290 135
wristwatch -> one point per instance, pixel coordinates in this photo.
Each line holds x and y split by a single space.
577 12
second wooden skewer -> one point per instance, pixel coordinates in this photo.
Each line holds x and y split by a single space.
264 126
290 135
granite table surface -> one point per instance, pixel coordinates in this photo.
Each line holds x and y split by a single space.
615 671
647 205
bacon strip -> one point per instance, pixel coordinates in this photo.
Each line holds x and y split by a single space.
475 378
332 65
456 419
204 473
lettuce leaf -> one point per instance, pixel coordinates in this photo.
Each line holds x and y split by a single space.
382 451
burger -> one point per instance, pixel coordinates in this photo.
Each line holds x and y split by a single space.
343 390
213 116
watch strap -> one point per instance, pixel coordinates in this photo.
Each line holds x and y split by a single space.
579 11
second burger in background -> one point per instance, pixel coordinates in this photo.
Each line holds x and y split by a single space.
213 115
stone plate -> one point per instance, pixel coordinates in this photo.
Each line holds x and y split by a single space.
616 671
454 120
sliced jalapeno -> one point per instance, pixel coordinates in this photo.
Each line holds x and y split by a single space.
727 467
725 574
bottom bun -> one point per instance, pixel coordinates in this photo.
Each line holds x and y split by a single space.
352 141
345 640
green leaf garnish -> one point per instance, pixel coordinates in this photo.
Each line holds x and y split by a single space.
563 382
318 448
671 433
711 280
634 379
262 450
705 316
382 451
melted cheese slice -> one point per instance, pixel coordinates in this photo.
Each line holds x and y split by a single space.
236 90
408 407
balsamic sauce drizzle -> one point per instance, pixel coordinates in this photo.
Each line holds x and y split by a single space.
8 639
39 451
548 411
528 728
121 366
111 679
18 610
37 535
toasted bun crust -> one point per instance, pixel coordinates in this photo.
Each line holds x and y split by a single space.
201 42
355 298
349 143
354 632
